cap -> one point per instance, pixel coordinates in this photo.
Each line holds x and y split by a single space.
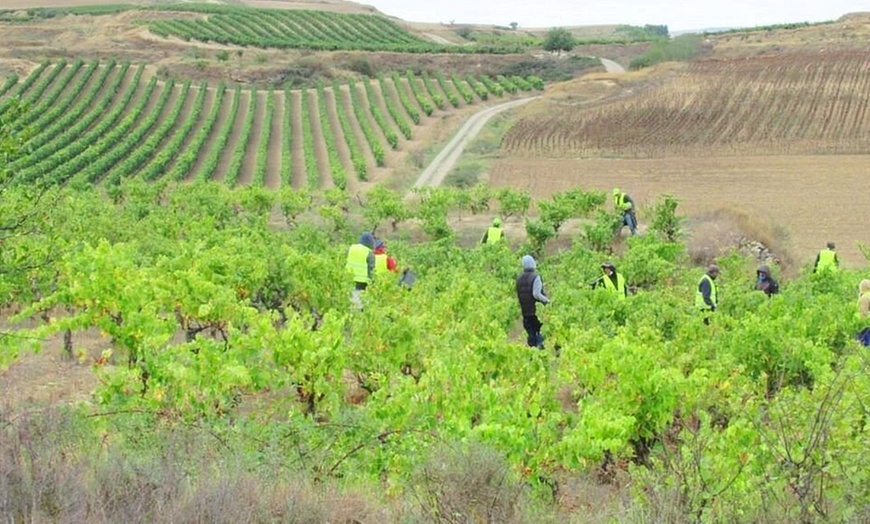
496 221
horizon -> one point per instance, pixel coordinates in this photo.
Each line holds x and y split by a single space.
682 16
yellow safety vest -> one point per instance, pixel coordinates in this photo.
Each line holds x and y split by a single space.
619 202
619 288
381 264
699 298
494 235
357 263
827 261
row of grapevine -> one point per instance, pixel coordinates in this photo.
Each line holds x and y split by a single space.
263 150
356 156
371 137
8 84
304 29
339 175
161 160
208 169
100 122
187 159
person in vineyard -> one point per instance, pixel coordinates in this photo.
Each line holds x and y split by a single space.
623 203
494 234
863 336
706 297
384 263
361 265
765 282
826 260
530 291
611 280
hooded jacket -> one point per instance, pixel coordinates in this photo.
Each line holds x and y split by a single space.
864 298
530 287
765 282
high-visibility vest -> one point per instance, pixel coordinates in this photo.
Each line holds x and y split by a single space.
381 264
699 298
494 235
618 288
827 261
357 263
619 202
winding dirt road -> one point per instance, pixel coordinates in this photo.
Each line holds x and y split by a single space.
434 174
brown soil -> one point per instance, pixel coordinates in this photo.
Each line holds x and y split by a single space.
809 199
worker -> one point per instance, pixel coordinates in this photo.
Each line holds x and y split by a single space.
863 336
530 291
494 234
622 203
384 263
611 280
361 265
765 282
706 297
826 260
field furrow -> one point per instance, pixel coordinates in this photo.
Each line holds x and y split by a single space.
298 173
233 137
276 140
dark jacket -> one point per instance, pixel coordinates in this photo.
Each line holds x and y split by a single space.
765 282
530 288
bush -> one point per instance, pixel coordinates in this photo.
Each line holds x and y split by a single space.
473 485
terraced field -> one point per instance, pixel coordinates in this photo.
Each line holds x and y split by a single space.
102 122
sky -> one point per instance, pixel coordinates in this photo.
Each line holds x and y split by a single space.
678 15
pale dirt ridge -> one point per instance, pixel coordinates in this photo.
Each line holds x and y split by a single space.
434 174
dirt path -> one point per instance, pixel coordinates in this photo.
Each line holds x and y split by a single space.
276 143
434 174
611 66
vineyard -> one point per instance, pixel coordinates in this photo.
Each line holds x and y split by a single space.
246 342
793 103
103 122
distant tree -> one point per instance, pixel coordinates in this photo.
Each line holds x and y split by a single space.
559 39
514 25
657 30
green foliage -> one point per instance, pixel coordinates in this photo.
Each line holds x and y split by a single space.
665 220
383 204
681 48
559 39
513 202
214 319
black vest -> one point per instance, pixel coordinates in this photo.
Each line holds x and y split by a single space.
524 292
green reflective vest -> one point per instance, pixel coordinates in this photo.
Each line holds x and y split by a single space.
381 264
699 298
618 288
494 235
827 261
619 202
357 263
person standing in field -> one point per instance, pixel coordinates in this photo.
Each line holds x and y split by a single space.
765 282
494 234
384 263
361 265
826 260
707 296
530 291
612 280
622 203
